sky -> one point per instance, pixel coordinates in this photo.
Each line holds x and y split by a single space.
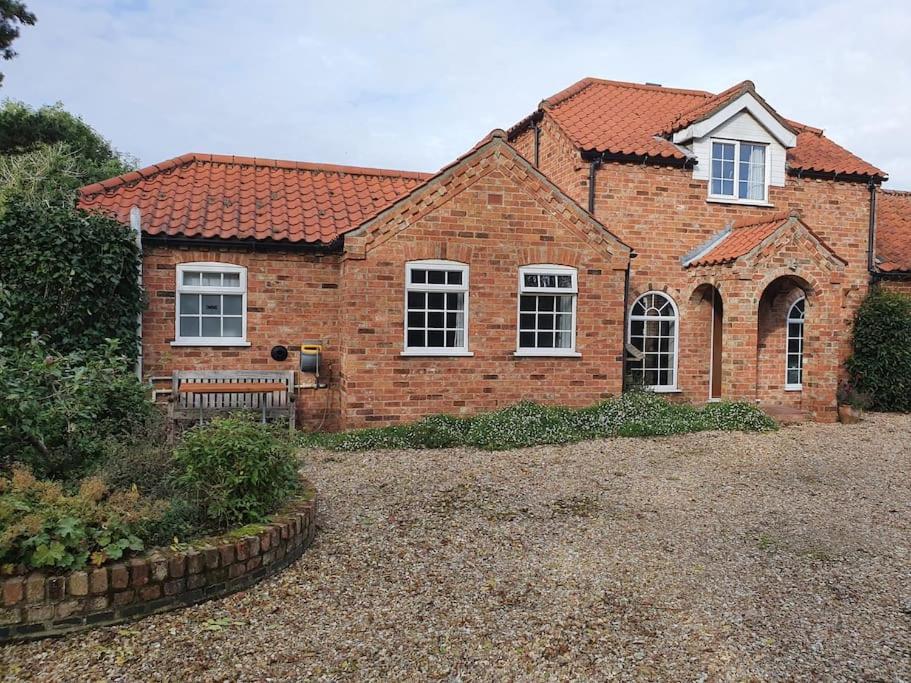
412 85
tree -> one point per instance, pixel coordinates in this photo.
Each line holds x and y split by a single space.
13 14
24 130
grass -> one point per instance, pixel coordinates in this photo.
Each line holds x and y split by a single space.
636 413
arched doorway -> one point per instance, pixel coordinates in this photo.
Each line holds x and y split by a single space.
710 306
781 357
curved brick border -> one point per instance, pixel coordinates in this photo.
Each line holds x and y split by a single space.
37 605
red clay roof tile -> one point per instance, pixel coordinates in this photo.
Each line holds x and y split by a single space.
893 231
745 235
630 119
227 197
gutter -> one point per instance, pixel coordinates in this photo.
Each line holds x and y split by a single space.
320 248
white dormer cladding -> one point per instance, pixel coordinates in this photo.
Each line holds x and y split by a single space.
744 119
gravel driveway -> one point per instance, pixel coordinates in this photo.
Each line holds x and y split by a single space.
712 556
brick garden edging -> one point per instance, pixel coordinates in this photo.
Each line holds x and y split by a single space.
38 605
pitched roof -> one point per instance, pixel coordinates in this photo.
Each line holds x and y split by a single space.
463 170
229 197
739 239
893 231
631 119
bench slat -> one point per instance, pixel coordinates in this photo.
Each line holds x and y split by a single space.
226 388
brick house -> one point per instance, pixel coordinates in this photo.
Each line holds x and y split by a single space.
699 244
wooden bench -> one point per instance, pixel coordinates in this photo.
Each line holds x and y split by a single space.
199 394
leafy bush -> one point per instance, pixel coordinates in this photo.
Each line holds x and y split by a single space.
880 366
237 470
42 527
59 414
68 276
636 413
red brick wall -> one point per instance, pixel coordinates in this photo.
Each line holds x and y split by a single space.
495 224
662 213
291 297
900 286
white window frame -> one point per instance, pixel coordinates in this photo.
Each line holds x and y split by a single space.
210 267
658 388
435 264
735 197
788 386
547 269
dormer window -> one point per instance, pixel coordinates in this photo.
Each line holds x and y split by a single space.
739 171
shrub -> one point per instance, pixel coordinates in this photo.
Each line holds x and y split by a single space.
237 470
68 276
43 527
635 413
880 365
59 414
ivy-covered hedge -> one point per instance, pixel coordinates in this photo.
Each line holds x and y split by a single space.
636 413
69 276
880 365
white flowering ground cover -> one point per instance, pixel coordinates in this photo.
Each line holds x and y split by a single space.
708 556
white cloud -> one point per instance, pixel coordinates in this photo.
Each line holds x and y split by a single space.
414 84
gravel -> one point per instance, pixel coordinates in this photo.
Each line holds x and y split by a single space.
711 556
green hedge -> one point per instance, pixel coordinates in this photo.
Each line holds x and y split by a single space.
880 365
635 413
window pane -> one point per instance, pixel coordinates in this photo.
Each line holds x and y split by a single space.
189 303
565 303
416 299
211 304
435 339
231 280
191 278
527 340
416 319
565 281
211 326
454 301
233 326
563 340
527 303
211 279
416 338
793 376
527 321
546 303
189 326
435 300
436 277
547 280
531 280
233 304
545 340
418 277
454 277
435 319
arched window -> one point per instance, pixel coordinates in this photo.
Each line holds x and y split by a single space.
794 349
653 334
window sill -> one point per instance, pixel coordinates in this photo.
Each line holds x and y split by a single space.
211 342
664 390
742 202
436 354
794 387
549 354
